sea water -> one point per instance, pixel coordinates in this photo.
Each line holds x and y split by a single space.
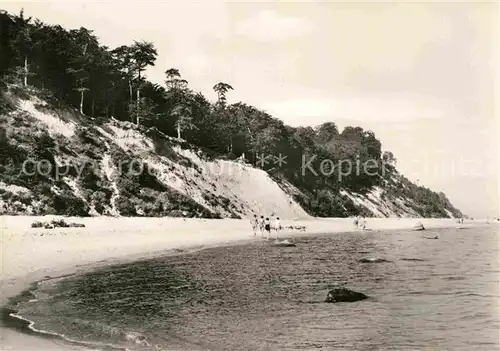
424 294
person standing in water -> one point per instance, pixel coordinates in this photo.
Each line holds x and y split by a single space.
277 226
255 224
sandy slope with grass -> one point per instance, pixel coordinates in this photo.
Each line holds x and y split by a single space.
106 156
30 254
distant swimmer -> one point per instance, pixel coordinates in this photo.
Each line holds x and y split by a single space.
255 224
277 224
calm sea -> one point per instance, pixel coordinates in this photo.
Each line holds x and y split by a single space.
430 295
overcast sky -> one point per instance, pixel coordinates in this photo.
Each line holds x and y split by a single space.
423 76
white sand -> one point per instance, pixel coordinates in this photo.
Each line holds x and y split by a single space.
29 254
248 189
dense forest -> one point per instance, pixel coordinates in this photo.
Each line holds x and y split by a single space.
102 82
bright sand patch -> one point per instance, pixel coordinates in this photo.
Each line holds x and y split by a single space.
30 254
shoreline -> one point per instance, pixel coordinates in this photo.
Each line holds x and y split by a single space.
24 326
100 246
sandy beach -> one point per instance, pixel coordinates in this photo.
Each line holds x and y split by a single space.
30 254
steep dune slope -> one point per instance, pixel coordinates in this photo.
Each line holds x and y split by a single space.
240 189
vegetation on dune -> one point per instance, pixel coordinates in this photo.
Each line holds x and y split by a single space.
74 71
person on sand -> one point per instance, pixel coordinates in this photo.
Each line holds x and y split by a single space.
267 227
255 224
278 227
277 224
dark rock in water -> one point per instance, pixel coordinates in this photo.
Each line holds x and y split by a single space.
372 260
436 237
418 226
344 295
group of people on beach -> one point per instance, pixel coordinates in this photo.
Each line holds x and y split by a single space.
264 225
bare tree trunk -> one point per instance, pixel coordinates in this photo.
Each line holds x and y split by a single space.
25 71
138 106
81 101
178 131
130 89
138 86
93 108
131 94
